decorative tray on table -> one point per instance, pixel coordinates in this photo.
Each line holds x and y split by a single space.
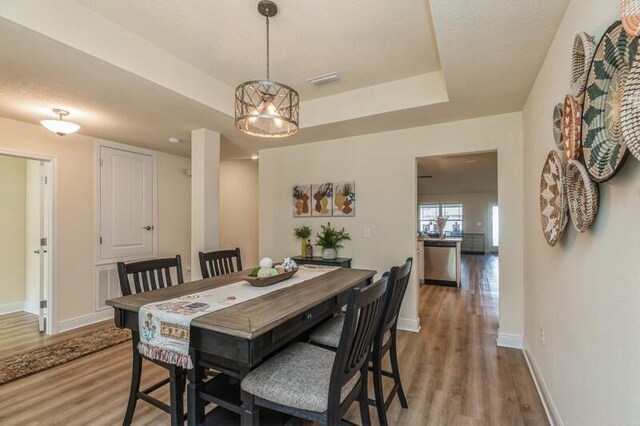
268 274
267 281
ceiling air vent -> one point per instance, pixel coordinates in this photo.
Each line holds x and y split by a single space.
323 80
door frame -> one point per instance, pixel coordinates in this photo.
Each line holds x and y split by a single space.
99 143
51 284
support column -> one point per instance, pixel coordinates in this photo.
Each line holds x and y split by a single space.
205 195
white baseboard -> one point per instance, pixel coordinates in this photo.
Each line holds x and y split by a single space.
553 415
406 324
8 308
81 321
506 340
32 308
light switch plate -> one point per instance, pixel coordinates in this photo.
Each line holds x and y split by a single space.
367 232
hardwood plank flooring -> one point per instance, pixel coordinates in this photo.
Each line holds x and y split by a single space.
19 333
452 371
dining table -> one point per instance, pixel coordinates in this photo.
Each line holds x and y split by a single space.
233 341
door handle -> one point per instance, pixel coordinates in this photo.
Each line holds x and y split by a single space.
38 251
148 228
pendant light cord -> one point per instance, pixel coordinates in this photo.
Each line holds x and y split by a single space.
267 47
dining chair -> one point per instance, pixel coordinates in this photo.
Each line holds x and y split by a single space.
328 335
316 384
151 275
221 262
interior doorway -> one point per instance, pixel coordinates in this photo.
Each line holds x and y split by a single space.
25 244
457 222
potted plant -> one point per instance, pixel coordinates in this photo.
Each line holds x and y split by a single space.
303 233
329 239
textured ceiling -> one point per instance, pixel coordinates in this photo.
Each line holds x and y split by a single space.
459 174
121 86
366 42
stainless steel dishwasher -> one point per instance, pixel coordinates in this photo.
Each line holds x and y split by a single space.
440 262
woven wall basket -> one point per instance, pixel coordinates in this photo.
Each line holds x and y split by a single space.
631 110
583 49
553 202
631 17
571 128
603 146
582 196
557 125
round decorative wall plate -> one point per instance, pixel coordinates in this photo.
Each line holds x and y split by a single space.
583 48
631 110
603 145
582 196
631 17
557 125
571 128
553 203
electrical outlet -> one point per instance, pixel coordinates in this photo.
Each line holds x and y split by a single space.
367 232
542 341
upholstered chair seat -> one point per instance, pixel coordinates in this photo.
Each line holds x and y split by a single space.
298 377
328 334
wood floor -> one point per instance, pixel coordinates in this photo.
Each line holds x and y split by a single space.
452 371
19 333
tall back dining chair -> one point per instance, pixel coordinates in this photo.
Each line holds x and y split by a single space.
328 335
385 342
151 275
221 262
316 384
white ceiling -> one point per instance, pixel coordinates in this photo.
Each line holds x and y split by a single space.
140 71
367 42
459 174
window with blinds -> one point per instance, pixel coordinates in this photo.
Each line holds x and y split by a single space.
428 213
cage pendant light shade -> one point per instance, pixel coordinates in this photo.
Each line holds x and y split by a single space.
267 109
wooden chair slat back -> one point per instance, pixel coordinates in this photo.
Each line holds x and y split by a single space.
221 262
147 274
364 311
398 283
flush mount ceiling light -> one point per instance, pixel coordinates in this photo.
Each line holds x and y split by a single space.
60 127
267 108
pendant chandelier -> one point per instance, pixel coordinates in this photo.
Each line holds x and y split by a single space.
267 108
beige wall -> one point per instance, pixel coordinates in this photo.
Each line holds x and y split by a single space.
239 205
174 209
476 209
585 292
383 167
74 208
12 232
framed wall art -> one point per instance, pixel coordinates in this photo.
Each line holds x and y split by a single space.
301 200
344 199
321 196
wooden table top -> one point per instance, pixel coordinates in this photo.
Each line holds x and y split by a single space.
256 316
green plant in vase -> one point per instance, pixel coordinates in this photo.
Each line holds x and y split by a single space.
302 233
330 240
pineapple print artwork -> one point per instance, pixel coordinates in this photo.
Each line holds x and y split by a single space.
344 199
322 195
301 197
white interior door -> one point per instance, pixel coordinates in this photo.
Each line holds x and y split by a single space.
37 240
126 204
43 251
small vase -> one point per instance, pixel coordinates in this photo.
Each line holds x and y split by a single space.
303 248
329 253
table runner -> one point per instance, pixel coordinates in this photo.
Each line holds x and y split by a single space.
164 326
